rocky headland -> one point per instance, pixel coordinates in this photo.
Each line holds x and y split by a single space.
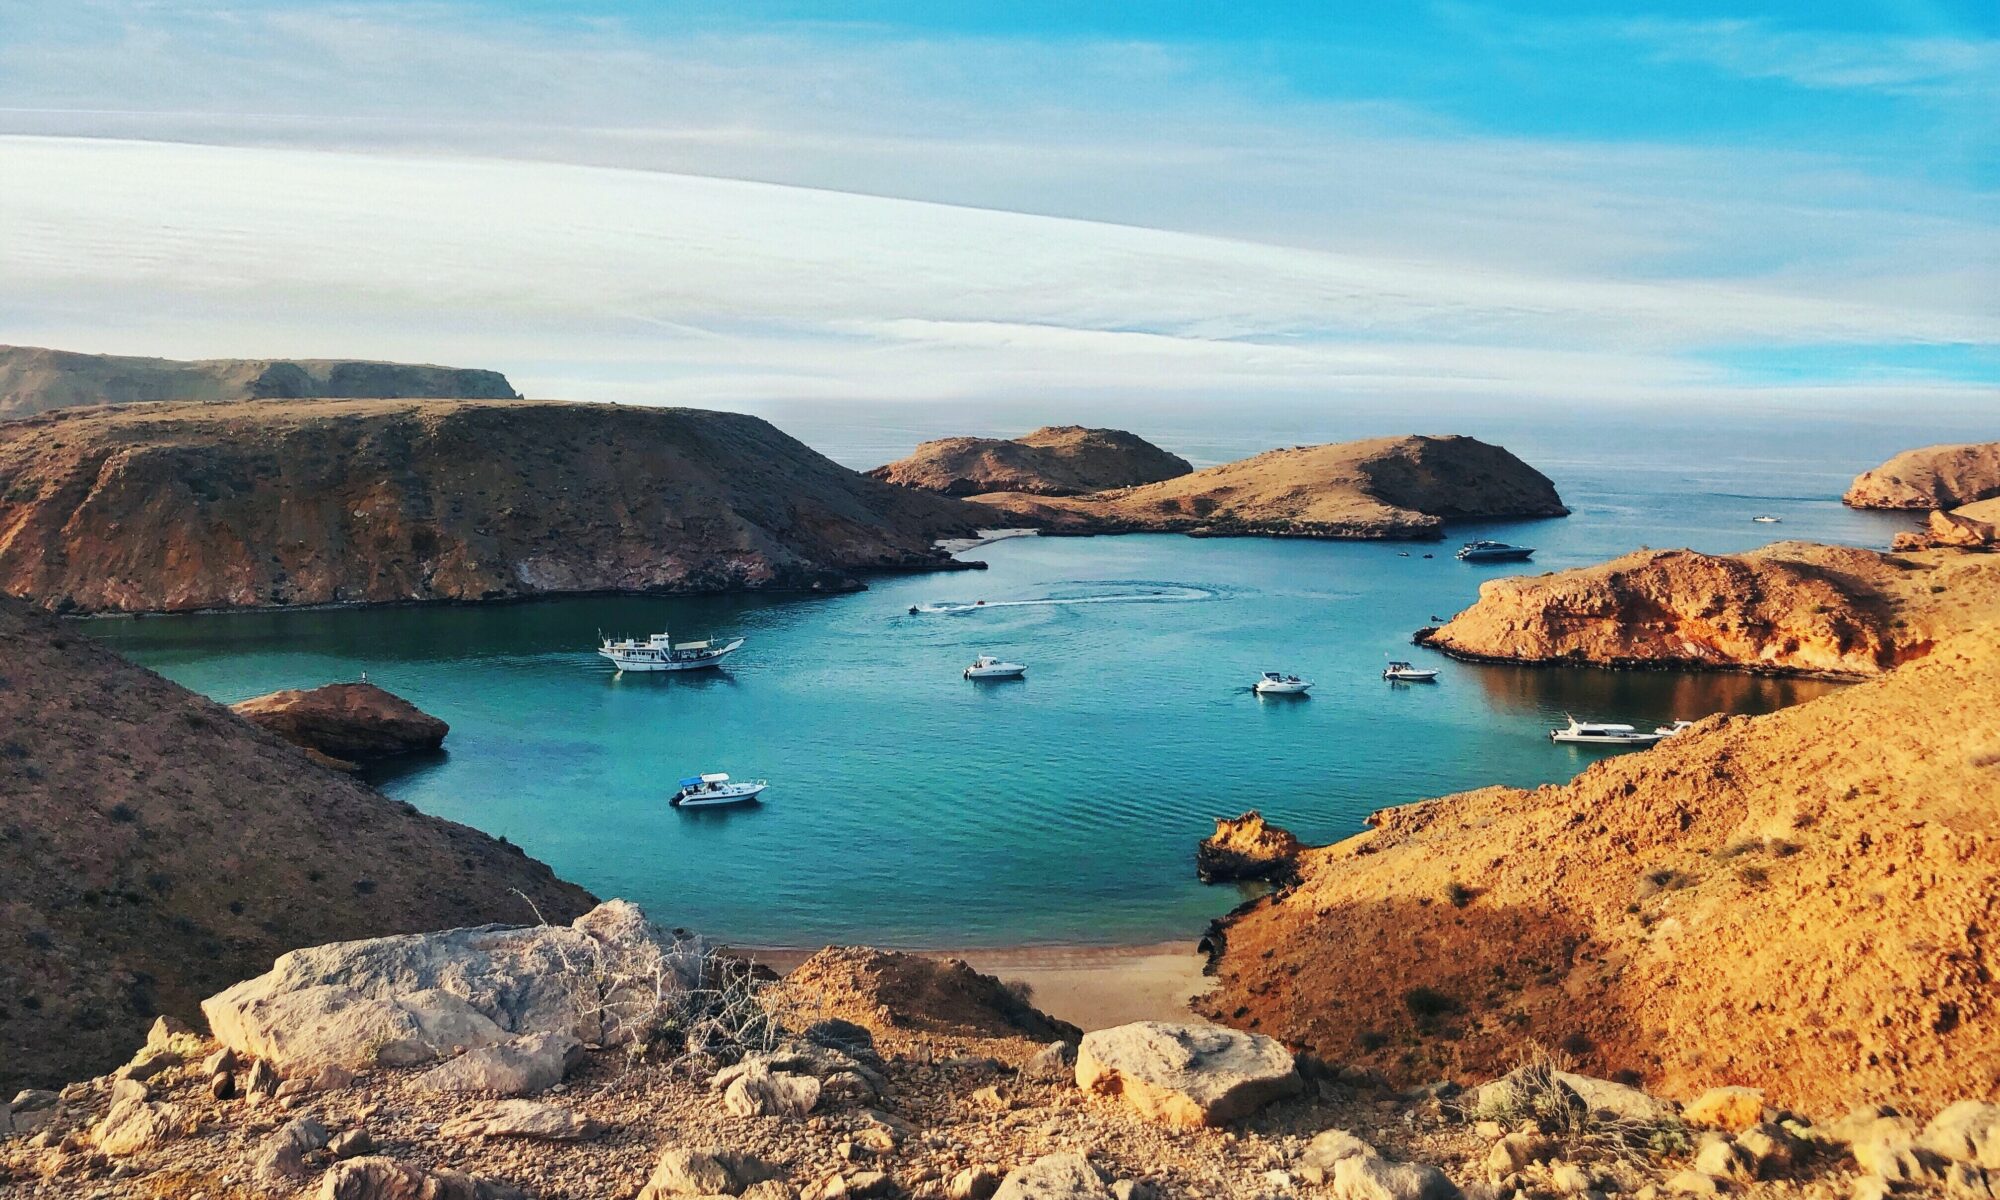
1400 487
1056 460
179 507
1788 608
1933 477
157 847
34 379
345 723
1969 527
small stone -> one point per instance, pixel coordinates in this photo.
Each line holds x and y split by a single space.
281 1158
33 1100
1694 1183
770 1189
1722 1158
221 1062
760 1092
1370 1178
351 1143
378 1178
222 1085
1330 1146
1513 1153
973 1183
1491 1131
148 1064
680 1171
1731 1108
520 1066
134 1125
1053 1063
262 1082
844 1036
1134 1189
1186 1075
124 1090
1569 1179
1772 1150
1066 1176
992 1097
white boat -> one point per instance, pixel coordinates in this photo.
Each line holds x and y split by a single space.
715 789
1601 733
1667 731
1767 520
661 653
988 667
1403 672
1277 683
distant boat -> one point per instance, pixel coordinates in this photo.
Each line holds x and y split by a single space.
1479 552
1277 683
1403 672
1667 731
988 667
1766 519
661 653
1601 733
714 790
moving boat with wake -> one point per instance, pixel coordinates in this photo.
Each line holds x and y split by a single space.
715 789
660 652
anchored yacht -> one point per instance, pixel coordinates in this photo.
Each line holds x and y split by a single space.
1402 672
1479 552
661 653
1600 733
988 667
1277 683
715 789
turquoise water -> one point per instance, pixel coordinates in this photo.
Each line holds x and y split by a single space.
910 807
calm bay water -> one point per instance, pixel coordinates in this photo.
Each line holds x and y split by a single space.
910 807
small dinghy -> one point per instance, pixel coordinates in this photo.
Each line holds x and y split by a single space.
988 667
1600 733
1277 683
1402 672
714 790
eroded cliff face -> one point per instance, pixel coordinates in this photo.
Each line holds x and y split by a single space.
1933 477
1800 901
1788 608
1056 460
1403 487
156 848
34 379
198 506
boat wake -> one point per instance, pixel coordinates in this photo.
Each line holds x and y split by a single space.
1134 594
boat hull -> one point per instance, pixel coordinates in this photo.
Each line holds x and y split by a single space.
1637 739
1282 689
996 672
745 796
1486 556
1411 677
628 662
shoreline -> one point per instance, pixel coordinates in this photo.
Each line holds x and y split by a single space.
1091 987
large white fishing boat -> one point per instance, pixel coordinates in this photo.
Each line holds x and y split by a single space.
661 653
714 789
1602 733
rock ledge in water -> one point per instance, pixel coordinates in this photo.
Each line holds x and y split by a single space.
350 721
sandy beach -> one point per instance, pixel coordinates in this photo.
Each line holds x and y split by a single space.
1092 987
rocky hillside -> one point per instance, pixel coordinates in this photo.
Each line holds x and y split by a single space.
1933 477
33 379
1404 487
1800 901
197 506
156 847
1788 608
1056 460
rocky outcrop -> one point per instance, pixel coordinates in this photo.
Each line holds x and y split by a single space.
887 991
1933 477
33 380
175 507
352 722
1056 460
1789 608
1404 487
1973 527
1185 1075
1797 900
1245 847
157 848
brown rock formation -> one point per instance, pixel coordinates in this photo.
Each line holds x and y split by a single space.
889 992
1933 477
1788 608
1056 460
1246 847
1800 901
192 506
1401 487
354 722
1973 527
157 848
34 380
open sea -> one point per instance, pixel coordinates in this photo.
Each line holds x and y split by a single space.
911 808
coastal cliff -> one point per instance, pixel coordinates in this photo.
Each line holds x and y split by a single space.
1933 477
156 847
1056 460
1796 900
1788 608
34 379
345 723
174 507
1400 487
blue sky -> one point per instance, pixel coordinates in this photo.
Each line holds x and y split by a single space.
1719 204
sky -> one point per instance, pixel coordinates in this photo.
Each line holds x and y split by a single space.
1780 205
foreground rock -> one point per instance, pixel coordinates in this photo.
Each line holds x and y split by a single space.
1185 1075
354 722
1403 487
1057 460
156 850
1669 912
1789 608
1245 847
891 992
175 507
1933 477
33 380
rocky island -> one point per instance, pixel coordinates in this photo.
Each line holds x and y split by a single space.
1399 487
180 507
345 724
1933 477
1056 460
34 379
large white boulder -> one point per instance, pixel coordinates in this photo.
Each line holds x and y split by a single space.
1186 1075
418 998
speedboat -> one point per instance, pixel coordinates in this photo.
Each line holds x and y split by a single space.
1667 731
1600 733
716 789
988 667
1479 552
1767 520
1277 683
661 653
1403 672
